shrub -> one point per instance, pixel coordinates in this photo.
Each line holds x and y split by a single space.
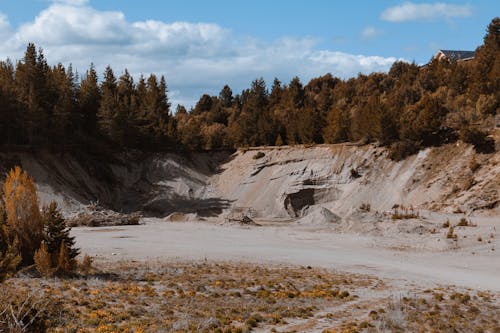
366 207
43 261
9 255
451 233
258 155
463 222
474 164
86 264
28 311
354 173
279 141
479 139
65 264
400 150
22 212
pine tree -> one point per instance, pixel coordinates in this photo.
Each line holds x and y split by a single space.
226 96
487 62
62 104
126 114
109 105
32 92
11 124
89 97
57 232
338 125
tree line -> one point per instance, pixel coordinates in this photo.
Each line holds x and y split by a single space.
408 108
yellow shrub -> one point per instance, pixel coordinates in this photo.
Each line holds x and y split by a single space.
23 214
43 261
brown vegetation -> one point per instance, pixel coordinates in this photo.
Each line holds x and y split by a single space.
222 297
30 236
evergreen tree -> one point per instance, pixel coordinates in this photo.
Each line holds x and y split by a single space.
155 111
31 90
109 106
11 124
62 89
126 115
487 62
57 232
89 96
226 97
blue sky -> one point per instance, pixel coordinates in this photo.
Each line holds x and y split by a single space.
201 45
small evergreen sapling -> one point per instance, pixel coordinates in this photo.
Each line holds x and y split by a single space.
59 244
57 233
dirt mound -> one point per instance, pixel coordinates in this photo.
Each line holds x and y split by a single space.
319 216
182 217
240 216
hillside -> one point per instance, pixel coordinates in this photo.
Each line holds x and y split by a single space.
284 183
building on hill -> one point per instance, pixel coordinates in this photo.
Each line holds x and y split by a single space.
454 55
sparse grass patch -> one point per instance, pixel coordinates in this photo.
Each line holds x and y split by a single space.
451 233
365 207
456 312
463 222
404 213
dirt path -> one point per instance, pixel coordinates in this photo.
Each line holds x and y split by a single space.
292 245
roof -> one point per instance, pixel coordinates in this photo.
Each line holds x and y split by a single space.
455 55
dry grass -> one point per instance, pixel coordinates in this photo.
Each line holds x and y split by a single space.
404 213
226 297
191 297
439 311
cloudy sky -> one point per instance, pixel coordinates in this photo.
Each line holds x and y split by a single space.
200 45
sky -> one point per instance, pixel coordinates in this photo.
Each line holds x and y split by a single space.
200 45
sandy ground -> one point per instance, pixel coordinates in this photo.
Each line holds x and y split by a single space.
463 263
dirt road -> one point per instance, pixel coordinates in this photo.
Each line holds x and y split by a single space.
286 244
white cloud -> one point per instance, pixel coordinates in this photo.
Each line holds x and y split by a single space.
370 32
196 58
72 2
345 64
410 11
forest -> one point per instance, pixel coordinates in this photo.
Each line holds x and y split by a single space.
409 108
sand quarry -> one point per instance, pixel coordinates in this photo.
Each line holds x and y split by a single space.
430 220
